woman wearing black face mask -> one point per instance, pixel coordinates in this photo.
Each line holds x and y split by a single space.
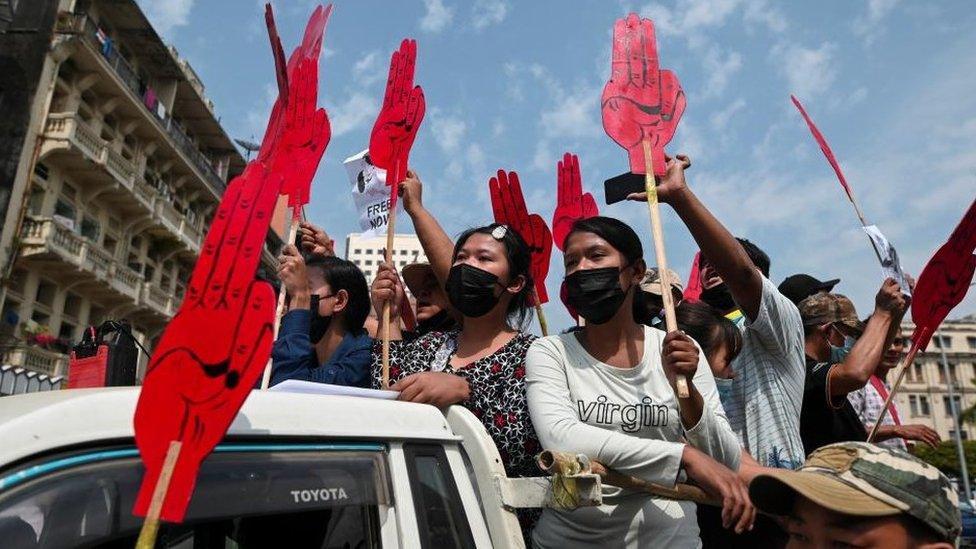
321 337
482 364
607 391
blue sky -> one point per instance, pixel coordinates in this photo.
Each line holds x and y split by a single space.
514 85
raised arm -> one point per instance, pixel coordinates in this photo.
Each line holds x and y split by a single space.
437 245
717 244
860 364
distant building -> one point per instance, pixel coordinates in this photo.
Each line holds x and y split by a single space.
367 253
924 396
112 163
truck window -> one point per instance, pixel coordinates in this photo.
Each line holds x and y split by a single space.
243 499
440 514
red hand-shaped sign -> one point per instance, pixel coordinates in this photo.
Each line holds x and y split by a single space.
945 279
300 130
640 101
399 119
508 205
214 350
693 289
571 202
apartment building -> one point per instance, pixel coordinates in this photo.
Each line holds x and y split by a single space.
924 396
121 165
367 252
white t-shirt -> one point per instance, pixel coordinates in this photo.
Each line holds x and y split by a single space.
767 390
627 419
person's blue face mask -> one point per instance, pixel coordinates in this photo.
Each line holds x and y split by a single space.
838 354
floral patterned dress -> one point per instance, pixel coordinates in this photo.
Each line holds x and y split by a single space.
497 384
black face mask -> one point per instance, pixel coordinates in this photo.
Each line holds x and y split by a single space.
720 297
595 293
471 290
319 324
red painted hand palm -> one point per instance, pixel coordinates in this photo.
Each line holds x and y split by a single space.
399 119
298 132
945 279
508 205
571 202
640 101
214 350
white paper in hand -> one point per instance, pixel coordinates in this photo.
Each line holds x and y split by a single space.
890 266
370 193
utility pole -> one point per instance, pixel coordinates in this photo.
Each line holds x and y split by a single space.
954 410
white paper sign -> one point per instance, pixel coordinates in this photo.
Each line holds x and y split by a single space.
370 193
890 266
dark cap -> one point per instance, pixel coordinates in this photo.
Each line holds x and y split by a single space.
798 287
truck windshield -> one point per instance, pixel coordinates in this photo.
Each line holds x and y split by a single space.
318 499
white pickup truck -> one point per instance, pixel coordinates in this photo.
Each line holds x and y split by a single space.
295 470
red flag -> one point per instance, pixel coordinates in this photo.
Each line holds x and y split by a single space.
214 350
508 205
822 141
945 280
571 202
399 118
640 101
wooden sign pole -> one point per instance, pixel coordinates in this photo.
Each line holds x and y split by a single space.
150 526
280 311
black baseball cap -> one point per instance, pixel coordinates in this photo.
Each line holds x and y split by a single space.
798 287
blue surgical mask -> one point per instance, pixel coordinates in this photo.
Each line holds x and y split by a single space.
724 387
838 354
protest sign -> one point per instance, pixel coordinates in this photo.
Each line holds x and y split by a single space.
508 207
890 265
211 354
641 109
369 193
572 203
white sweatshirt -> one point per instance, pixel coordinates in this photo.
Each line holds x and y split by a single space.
628 419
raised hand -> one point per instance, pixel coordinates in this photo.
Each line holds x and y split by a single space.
215 348
571 202
508 206
399 119
640 101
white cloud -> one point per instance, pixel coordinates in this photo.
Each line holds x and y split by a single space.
719 69
355 112
448 131
572 115
488 12
166 15
437 17
696 16
808 71
870 25
368 69
720 119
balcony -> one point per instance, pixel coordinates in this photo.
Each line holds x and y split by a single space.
155 298
69 128
79 24
35 359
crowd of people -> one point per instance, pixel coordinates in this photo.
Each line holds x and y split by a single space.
784 382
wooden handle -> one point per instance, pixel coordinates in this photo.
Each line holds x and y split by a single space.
150 526
280 310
657 230
543 325
385 327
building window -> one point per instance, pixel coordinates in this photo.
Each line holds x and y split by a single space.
913 404
915 374
90 228
948 407
952 373
923 406
67 331
971 341
943 342
36 201
403 252
369 261
65 209
369 251
45 293
41 170
962 434
358 251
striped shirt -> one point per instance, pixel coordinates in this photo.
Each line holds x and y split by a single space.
867 402
767 391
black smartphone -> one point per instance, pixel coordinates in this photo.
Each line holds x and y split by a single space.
617 188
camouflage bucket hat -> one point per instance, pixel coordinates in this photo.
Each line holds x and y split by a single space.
861 479
825 308
652 281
